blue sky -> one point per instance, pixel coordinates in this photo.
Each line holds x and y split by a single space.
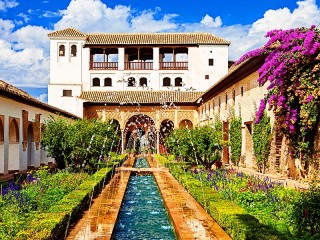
24 25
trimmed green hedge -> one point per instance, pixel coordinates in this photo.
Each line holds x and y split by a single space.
232 218
53 223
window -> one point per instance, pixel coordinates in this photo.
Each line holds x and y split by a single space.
131 82
67 93
96 82
73 51
241 91
62 50
211 62
143 82
206 77
178 82
166 82
107 82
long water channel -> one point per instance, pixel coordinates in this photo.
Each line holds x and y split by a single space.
143 214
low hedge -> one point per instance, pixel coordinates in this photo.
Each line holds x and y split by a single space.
232 218
54 223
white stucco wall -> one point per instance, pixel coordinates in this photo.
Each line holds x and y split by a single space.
12 155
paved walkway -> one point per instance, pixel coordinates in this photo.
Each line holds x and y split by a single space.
190 220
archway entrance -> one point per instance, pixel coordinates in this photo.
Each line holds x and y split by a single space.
140 133
165 128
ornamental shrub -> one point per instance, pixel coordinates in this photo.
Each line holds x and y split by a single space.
261 137
235 138
292 70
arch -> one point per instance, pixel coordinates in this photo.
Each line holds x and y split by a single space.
13 131
1 132
139 133
186 123
62 50
178 82
108 82
166 82
131 82
73 50
30 146
166 127
143 82
117 145
96 82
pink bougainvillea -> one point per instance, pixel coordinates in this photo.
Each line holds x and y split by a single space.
292 70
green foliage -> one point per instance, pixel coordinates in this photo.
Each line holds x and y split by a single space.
200 145
261 137
306 213
235 138
54 140
66 195
235 220
80 144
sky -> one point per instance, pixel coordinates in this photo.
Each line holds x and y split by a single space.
24 25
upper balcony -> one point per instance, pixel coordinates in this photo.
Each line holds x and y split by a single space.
139 58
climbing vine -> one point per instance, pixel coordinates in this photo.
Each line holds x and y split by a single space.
292 69
235 137
261 137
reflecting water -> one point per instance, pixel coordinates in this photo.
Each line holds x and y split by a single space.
141 163
143 215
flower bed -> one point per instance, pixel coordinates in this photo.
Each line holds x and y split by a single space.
44 205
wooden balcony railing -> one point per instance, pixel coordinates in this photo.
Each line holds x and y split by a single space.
104 65
138 65
174 65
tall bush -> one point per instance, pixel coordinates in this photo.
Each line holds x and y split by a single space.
235 138
261 137
78 144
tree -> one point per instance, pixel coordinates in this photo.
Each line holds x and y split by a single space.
292 69
80 143
235 138
200 145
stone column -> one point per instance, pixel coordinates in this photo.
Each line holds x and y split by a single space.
158 141
122 141
156 58
120 58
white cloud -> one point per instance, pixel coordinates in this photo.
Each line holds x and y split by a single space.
24 58
210 22
5 4
25 17
43 97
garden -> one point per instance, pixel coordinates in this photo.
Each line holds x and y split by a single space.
44 202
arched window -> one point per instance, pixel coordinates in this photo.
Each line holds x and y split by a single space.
107 82
13 131
73 51
62 50
178 82
166 82
96 82
131 82
143 82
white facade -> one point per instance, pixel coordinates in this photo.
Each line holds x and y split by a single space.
129 67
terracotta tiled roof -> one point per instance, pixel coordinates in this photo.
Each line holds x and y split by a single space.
69 32
19 95
141 97
141 38
154 38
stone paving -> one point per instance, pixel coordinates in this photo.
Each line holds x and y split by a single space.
190 220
